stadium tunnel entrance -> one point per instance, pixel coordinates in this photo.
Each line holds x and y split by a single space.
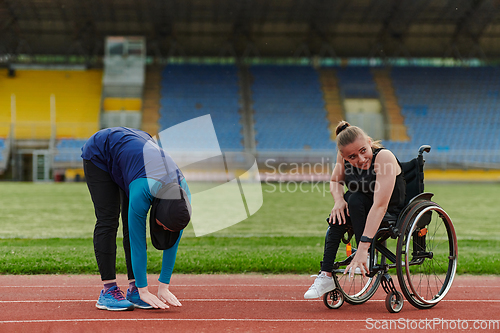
31 165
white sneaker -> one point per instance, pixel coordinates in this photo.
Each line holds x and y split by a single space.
321 285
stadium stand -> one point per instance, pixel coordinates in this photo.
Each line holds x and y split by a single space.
295 107
121 111
455 110
333 100
2 149
77 97
77 101
150 110
68 150
191 91
289 109
357 82
5 152
119 104
395 120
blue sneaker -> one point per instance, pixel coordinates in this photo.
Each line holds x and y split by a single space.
134 298
113 300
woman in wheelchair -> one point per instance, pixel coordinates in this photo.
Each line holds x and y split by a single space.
375 184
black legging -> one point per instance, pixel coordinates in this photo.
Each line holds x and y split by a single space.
359 205
107 197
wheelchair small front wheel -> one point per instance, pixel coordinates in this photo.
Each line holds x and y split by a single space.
394 302
333 299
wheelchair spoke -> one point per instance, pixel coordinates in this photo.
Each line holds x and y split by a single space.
435 237
355 286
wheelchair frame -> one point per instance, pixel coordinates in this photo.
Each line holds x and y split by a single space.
414 249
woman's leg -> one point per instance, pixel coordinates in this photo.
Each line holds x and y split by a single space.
105 195
332 241
359 205
324 282
333 237
126 239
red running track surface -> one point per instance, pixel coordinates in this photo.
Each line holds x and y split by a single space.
234 303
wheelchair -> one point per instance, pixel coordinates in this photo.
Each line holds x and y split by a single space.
426 252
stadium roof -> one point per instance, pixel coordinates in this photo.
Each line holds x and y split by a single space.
344 28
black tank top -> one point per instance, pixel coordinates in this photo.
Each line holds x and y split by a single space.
359 180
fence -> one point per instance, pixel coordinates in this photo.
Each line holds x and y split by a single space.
43 130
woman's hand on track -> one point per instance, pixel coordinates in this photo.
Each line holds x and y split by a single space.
166 296
151 299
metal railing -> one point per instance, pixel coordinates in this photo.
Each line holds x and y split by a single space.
43 130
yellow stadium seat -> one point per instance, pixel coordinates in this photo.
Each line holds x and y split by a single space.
77 102
122 104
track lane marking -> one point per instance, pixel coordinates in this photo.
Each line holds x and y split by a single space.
283 320
213 285
241 300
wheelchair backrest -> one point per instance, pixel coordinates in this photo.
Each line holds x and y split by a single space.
414 175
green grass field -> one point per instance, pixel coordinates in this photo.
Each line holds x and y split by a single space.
47 229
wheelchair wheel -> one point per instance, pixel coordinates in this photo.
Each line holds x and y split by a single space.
426 255
360 288
394 302
333 299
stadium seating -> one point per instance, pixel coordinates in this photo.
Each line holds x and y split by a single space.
77 102
191 91
332 97
455 110
2 149
69 151
289 109
357 82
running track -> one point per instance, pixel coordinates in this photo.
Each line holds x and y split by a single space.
227 303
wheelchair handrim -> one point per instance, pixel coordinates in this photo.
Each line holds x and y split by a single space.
449 277
362 291
369 288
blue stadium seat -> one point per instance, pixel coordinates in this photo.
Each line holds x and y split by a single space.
3 150
289 110
357 82
191 91
69 150
452 109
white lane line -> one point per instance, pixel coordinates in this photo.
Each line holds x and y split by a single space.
183 300
280 320
211 285
179 319
176 285
243 300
